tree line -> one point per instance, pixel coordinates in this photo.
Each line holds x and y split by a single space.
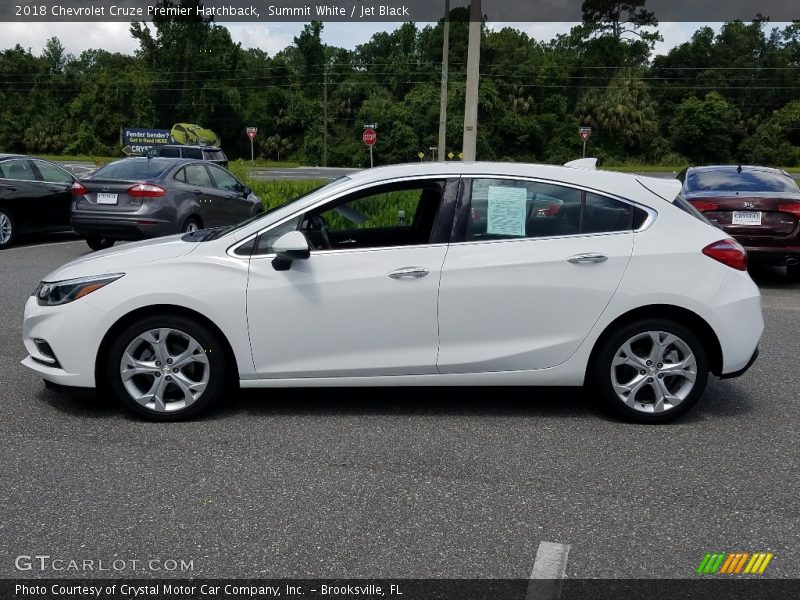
720 97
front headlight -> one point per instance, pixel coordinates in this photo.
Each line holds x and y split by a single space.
54 293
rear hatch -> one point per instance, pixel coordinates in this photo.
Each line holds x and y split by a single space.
755 218
120 187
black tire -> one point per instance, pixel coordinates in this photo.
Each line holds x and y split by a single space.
191 224
9 229
99 242
793 273
217 378
600 382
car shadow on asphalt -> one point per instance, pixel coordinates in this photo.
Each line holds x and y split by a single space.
722 399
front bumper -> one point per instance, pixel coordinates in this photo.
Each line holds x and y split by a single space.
122 227
73 332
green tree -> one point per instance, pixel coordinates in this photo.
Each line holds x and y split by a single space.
705 131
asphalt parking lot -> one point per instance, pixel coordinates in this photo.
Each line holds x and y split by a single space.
398 483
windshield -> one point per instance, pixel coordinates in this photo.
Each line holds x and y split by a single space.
133 169
732 180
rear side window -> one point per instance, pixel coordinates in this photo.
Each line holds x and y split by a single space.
197 175
169 152
508 209
731 180
133 169
192 153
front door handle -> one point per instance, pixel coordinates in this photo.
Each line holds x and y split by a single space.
587 258
13 188
409 272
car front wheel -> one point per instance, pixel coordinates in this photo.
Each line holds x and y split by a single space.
650 371
167 368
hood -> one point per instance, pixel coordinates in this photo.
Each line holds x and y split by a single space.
119 258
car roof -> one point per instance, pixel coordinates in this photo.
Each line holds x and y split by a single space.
189 146
5 156
626 185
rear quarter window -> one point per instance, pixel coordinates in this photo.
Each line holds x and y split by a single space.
192 153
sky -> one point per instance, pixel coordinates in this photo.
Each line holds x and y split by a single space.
271 37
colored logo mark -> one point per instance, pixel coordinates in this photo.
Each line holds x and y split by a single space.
733 563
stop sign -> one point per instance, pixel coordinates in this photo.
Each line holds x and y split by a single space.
369 136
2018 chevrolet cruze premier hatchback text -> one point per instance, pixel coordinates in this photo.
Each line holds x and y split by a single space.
429 274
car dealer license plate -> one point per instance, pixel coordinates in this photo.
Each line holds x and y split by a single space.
103 198
746 217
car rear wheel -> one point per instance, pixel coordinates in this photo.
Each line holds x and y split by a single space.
793 273
650 371
167 368
8 229
99 242
191 225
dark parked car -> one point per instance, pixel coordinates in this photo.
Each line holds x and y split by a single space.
758 206
210 153
137 198
34 197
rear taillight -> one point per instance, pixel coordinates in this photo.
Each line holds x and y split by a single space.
793 208
729 252
146 190
704 205
78 189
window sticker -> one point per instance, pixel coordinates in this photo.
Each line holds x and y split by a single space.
506 211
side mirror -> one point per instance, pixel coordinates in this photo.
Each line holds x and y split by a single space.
291 246
246 190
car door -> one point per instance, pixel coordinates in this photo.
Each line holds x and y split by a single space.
531 270
231 205
199 184
364 303
58 183
25 196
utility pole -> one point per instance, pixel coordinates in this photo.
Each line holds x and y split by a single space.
473 81
443 93
325 114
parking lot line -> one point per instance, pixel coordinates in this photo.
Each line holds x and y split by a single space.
549 569
41 245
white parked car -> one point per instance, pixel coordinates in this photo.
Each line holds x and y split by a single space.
430 274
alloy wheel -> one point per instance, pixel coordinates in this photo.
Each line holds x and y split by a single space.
164 370
653 371
6 229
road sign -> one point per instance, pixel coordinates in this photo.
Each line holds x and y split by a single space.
450 155
369 136
251 132
585 133
421 155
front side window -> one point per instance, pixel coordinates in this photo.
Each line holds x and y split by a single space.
18 169
197 175
51 173
224 180
385 216
502 209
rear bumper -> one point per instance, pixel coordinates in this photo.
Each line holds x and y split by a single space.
744 369
774 254
121 227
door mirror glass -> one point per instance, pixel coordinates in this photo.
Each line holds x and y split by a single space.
289 247
246 191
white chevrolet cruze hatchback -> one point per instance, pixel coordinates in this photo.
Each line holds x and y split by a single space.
429 274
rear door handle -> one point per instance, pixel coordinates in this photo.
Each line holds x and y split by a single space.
197 192
409 272
587 258
13 188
